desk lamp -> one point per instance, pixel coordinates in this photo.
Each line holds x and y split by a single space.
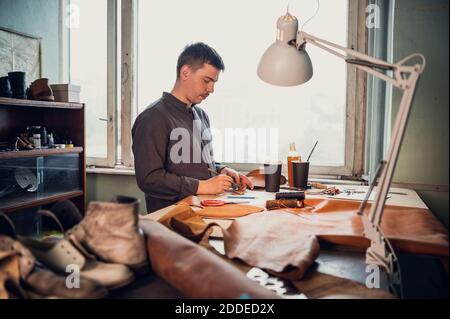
287 63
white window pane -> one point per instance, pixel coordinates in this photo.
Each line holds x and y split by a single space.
88 68
241 31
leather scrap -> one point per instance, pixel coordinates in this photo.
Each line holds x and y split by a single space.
218 212
272 241
250 237
184 221
229 211
195 271
409 229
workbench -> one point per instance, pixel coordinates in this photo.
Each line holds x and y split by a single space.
336 270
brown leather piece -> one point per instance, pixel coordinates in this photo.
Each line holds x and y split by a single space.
229 211
226 211
411 230
249 238
184 221
193 270
10 275
261 241
258 179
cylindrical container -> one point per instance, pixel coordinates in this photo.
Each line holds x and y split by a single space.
272 176
293 155
37 141
290 195
44 141
51 141
300 171
18 87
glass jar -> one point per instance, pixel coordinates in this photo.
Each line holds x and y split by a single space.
37 141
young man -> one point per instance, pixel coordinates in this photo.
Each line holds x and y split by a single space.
172 149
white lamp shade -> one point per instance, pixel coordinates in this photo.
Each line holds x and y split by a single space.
285 65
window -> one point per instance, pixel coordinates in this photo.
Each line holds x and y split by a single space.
93 66
243 109
146 37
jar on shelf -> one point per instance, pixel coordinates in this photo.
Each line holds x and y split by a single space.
37 141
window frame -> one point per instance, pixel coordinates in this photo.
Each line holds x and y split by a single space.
112 73
353 167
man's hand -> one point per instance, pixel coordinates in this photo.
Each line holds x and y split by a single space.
215 185
238 178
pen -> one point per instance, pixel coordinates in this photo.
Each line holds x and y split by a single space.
241 197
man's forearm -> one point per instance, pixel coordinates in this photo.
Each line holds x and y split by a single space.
162 184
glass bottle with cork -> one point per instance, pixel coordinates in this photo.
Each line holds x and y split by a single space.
293 155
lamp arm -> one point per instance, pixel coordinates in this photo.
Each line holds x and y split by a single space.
404 77
365 62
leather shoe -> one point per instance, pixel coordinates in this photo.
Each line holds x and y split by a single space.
45 284
40 90
58 255
110 230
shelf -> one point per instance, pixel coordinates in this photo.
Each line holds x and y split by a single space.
30 200
44 104
41 152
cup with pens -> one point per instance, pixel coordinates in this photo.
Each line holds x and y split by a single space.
301 171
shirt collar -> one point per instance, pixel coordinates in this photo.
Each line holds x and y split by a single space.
175 102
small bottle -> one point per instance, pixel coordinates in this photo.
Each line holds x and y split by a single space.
37 141
293 155
51 141
44 140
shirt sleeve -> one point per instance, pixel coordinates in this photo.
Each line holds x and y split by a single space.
150 141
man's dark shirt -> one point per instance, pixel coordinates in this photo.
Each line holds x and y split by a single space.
163 179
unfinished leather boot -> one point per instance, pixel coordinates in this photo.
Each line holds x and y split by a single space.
58 255
110 230
5 87
18 86
40 90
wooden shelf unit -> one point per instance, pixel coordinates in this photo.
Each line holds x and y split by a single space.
65 119
41 152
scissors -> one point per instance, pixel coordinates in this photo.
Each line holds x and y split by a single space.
217 202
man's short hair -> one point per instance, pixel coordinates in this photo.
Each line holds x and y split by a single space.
197 54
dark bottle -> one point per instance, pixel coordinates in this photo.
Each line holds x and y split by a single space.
44 137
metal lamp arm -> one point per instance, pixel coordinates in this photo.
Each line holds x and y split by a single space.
365 62
404 77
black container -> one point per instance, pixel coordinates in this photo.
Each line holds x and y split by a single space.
272 176
300 172
5 87
290 195
18 84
